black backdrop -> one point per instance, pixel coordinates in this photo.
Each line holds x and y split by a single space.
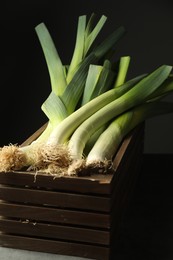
24 76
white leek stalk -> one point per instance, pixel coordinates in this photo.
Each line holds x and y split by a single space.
109 141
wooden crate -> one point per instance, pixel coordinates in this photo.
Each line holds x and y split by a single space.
77 216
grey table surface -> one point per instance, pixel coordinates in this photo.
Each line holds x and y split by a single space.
147 229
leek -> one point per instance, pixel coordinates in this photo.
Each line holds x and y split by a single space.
133 97
120 79
109 141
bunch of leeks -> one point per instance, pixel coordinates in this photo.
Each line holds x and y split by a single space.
67 84
91 107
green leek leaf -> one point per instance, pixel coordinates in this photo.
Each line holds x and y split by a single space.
54 109
55 67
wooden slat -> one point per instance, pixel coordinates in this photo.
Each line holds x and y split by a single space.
78 218
44 230
88 185
57 247
52 198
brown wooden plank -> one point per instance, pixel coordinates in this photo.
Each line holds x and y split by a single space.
44 230
82 218
52 198
97 184
56 247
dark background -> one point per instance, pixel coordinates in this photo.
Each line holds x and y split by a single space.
24 76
